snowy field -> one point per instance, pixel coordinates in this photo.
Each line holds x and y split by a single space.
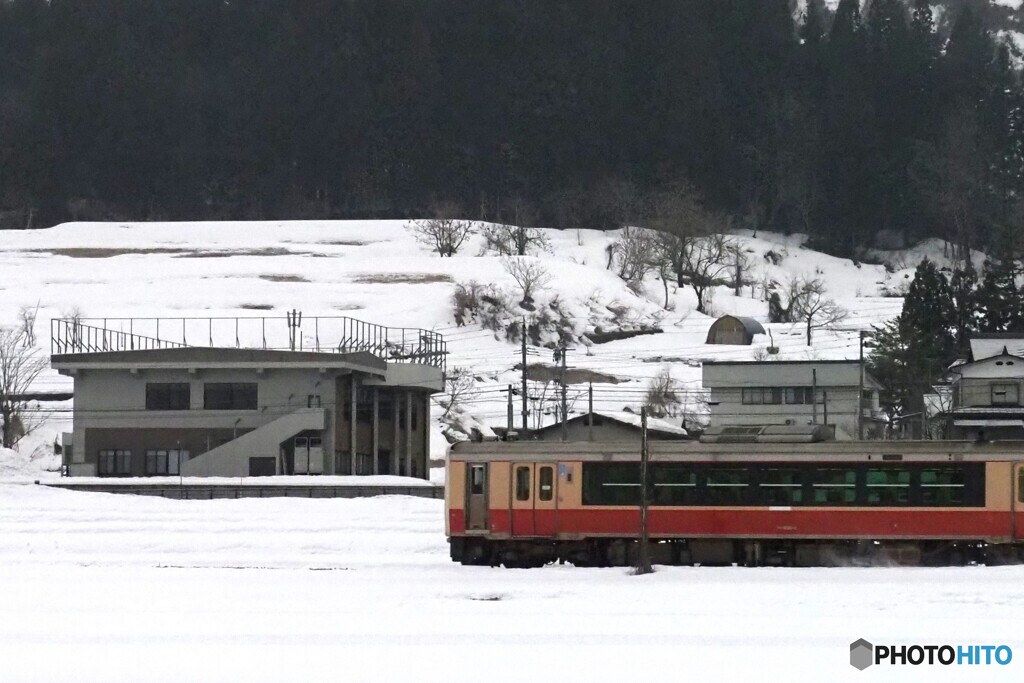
99 587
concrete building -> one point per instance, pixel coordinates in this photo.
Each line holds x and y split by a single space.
750 393
611 426
146 406
986 395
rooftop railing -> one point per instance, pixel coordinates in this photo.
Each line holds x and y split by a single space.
336 334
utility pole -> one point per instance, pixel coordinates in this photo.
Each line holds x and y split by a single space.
590 411
525 410
509 429
643 565
560 354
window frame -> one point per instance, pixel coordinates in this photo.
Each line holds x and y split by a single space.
521 483
545 490
236 398
163 395
1007 387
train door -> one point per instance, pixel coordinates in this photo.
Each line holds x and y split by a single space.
1017 501
545 509
476 497
522 499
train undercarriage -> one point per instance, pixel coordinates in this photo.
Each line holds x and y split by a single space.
622 552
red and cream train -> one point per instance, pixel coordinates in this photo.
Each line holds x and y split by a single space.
527 503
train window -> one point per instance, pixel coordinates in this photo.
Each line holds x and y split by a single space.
476 479
522 483
835 487
943 486
611 483
674 485
545 483
1020 485
782 486
888 486
727 486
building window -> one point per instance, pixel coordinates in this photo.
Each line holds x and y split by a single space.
115 462
313 401
1005 395
798 395
230 396
752 396
168 396
165 462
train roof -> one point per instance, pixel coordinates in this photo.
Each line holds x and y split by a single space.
827 451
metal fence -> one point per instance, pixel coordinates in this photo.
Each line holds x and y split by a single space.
338 334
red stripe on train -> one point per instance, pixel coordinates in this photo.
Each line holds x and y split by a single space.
967 523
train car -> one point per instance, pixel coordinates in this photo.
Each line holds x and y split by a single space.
524 504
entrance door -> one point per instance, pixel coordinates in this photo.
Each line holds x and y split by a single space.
1017 501
545 510
476 496
522 499
301 460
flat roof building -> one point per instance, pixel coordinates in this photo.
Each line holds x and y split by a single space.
148 406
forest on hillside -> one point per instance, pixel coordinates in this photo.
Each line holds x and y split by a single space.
893 115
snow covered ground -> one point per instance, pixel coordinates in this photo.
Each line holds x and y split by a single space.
100 587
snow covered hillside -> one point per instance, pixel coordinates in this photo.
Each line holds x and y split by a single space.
377 271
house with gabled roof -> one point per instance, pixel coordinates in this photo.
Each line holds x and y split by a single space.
987 392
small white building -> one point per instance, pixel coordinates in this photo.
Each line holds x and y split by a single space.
826 392
986 395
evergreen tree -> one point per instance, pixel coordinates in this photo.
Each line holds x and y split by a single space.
963 286
1000 301
913 351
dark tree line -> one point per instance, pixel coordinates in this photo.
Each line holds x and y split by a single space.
836 125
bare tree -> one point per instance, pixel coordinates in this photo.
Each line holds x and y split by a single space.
809 304
20 365
27 315
706 262
662 396
691 243
444 233
515 238
458 382
529 273
634 254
